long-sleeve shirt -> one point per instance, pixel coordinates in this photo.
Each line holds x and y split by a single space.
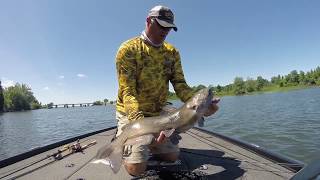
144 73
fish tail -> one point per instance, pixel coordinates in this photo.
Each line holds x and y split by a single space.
112 153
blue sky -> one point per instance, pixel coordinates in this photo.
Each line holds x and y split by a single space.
65 49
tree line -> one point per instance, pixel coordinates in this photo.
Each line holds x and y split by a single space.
18 97
104 102
250 85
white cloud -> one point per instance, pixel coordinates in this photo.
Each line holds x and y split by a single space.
82 75
7 83
46 88
61 77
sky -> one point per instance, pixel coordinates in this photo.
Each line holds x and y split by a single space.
65 49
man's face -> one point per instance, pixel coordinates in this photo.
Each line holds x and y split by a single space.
156 32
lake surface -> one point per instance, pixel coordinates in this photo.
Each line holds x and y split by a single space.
287 123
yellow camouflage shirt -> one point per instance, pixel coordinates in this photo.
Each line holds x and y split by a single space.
144 73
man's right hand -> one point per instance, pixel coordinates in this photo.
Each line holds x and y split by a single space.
161 138
174 138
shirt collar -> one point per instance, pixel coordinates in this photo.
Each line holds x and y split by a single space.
145 38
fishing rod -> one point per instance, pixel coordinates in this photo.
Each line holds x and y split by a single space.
73 148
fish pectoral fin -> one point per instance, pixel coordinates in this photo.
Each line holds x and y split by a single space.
141 140
201 122
168 132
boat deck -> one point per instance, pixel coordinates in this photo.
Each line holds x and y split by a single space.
203 156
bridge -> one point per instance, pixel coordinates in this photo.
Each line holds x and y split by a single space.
71 105
67 105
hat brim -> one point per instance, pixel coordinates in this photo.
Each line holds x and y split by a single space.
166 24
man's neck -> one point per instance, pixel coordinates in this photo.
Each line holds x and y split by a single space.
146 38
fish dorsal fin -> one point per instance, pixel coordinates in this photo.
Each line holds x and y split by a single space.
167 110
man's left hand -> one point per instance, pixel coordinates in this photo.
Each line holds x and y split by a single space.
213 107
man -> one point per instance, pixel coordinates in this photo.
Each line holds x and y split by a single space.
145 65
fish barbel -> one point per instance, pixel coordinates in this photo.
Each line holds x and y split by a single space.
143 130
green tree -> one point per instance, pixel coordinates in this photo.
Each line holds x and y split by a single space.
1 99
261 83
317 72
316 75
309 78
302 78
276 80
219 88
239 86
106 101
36 105
250 85
197 88
97 103
228 88
19 97
293 78
318 81
19 101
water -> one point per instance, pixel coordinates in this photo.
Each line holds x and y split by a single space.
23 131
287 123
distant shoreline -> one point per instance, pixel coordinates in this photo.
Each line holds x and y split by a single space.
265 90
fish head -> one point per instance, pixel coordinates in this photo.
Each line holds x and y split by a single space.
194 109
200 101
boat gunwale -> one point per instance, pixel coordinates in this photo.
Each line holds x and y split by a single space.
283 160
39 150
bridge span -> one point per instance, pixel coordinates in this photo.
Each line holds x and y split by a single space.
71 105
